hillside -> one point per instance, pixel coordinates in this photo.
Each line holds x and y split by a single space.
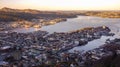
8 14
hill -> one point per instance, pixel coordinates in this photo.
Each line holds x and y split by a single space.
8 14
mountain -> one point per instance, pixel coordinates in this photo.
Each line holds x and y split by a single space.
5 9
8 14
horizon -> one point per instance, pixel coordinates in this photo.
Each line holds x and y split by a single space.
54 10
63 5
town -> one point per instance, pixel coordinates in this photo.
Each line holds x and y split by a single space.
40 49
59 33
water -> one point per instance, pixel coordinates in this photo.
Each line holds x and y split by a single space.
77 23
93 44
26 30
82 22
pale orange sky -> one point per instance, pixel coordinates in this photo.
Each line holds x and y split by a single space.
62 4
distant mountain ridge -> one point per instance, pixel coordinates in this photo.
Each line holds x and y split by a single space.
6 9
9 14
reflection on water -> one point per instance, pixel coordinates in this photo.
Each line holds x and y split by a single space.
94 44
26 30
91 45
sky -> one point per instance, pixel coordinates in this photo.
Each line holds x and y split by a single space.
62 4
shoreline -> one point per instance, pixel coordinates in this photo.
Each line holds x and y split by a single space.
42 46
34 25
